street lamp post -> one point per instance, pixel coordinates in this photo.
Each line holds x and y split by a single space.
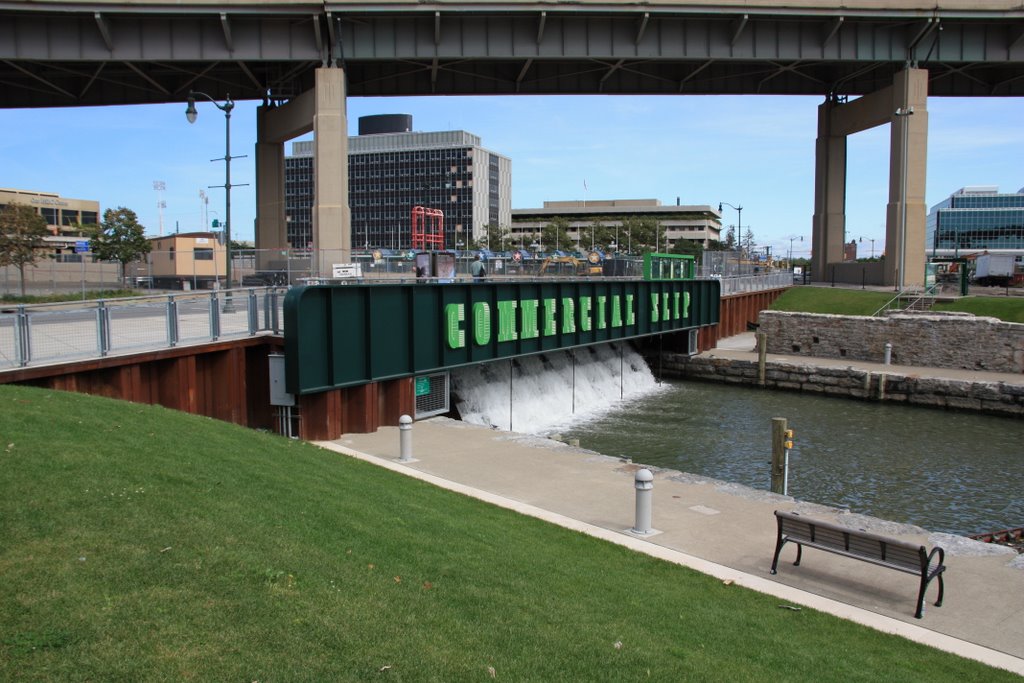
791 240
191 114
739 219
870 239
904 114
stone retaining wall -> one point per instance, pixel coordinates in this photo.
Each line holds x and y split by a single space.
988 397
939 340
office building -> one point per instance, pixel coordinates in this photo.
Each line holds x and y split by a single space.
976 219
393 169
61 215
699 223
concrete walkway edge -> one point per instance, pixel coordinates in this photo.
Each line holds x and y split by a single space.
762 585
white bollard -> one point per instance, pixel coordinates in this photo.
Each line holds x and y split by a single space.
405 438
644 484
888 353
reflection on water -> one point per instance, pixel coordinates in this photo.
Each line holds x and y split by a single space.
945 471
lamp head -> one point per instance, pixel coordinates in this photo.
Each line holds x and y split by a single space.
719 207
190 112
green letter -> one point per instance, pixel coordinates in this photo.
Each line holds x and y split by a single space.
568 315
481 323
686 304
654 307
630 312
585 318
528 319
616 310
664 307
548 320
454 314
601 321
507 320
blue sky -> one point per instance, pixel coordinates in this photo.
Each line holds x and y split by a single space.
754 151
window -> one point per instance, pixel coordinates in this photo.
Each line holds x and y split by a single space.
202 254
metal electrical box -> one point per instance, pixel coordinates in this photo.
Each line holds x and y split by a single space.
278 395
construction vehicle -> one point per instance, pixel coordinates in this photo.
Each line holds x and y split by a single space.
570 265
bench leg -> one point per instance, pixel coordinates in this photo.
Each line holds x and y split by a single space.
920 599
925 580
778 549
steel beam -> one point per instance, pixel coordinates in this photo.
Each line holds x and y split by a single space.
77 56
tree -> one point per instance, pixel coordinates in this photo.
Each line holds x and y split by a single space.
730 237
555 235
687 248
21 238
494 239
120 238
642 234
748 240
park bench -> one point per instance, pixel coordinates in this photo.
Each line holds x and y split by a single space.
861 545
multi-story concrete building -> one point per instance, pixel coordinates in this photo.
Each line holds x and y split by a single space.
699 223
392 170
61 215
977 218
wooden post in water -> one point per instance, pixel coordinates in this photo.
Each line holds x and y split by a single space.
778 453
762 356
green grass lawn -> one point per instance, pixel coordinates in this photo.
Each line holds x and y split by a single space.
138 543
71 296
865 302
1009 309
831 300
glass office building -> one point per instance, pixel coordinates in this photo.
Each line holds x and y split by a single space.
392 172
976 219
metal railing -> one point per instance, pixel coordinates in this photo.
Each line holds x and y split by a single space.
56 333
756 283
41 334
906 299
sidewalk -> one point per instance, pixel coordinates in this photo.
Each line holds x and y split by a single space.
725 530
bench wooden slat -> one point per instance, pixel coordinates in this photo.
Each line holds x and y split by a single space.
861 545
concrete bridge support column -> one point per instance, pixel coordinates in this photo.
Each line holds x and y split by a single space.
275 125
323 111
332 219
908 150
829 225
270 218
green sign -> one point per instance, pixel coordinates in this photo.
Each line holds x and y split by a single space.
346 335
422 386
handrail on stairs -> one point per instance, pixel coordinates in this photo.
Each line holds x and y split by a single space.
927 291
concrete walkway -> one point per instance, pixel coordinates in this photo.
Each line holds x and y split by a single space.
726 530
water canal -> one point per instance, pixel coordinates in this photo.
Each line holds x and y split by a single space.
954 472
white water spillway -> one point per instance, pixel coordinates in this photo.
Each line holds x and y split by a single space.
541 393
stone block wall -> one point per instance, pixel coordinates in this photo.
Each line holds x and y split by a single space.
939 340
994 398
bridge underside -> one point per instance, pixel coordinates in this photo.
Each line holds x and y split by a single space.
75 54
